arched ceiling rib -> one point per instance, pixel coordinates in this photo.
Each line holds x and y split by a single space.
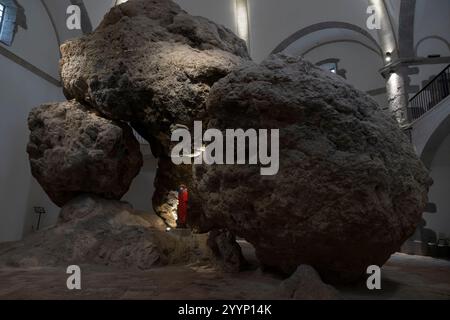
326 36
331 27
56 10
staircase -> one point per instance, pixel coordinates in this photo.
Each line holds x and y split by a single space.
430 96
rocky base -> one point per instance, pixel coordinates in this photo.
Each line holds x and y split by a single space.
93 230
306 284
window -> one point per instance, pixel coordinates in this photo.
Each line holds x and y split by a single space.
8 14
2 11
331 66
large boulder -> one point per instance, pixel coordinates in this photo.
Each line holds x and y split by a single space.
73 150
350 189
152 64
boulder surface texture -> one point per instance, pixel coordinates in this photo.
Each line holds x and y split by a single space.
73 150
152 64
95 231
350 189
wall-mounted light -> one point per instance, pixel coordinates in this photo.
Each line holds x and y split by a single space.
388 57
242 20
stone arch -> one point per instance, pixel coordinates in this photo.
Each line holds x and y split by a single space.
434 37
435 140
86 25
52 21
323 26
344 40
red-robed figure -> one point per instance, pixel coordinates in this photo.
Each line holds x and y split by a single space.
183 197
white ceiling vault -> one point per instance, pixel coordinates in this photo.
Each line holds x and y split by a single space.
92 11
279 21
305 11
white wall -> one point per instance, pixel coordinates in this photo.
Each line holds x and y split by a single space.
439 192
58 12
20 91
97 9
425 132
219 11
437 27
38 44
393 8
274 21
358 61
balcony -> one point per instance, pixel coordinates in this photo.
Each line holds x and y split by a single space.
430 96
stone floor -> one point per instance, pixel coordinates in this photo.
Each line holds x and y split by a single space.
403 277
408 277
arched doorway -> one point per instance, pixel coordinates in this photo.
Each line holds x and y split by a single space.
435 155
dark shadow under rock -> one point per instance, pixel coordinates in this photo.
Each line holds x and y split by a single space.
306 284
226 250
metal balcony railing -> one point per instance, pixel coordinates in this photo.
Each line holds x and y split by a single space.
430 95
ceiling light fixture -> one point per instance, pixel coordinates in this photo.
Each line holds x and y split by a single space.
388 57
